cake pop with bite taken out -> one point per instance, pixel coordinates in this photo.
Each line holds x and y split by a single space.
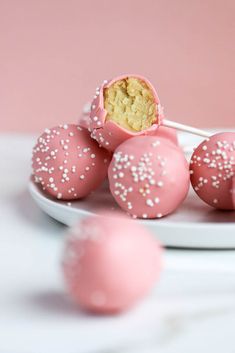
128 106
163 131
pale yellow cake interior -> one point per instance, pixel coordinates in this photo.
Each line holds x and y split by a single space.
131 104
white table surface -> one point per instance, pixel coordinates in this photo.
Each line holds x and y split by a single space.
192 308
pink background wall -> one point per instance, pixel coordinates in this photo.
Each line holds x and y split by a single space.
53 54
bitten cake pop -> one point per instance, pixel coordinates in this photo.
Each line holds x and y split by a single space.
110 263
212 171
148 176
67 163
125 107
162 131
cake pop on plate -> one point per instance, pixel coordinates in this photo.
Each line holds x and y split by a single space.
125 107
67 163
212 170
148 176
162 131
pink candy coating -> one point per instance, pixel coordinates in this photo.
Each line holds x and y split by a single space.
212 171
110 263
109 134
67 163
148 176
162 131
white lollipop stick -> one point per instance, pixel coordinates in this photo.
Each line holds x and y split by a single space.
185 128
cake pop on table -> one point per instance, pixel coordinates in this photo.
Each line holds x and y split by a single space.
110 263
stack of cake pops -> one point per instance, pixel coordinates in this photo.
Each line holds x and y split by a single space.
125 136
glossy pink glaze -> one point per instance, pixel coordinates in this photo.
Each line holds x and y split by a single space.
110 263
148 176
67 163
109 134
212 171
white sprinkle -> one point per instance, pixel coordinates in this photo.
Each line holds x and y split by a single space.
156 200
206 160
149 203
156 143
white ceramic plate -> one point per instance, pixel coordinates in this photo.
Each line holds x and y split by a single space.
193 225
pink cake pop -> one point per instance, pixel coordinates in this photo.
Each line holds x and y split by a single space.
125 107
163 131
67 163
212 171
148 176
111 134
110 263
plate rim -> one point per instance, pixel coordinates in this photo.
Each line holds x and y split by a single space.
36 194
